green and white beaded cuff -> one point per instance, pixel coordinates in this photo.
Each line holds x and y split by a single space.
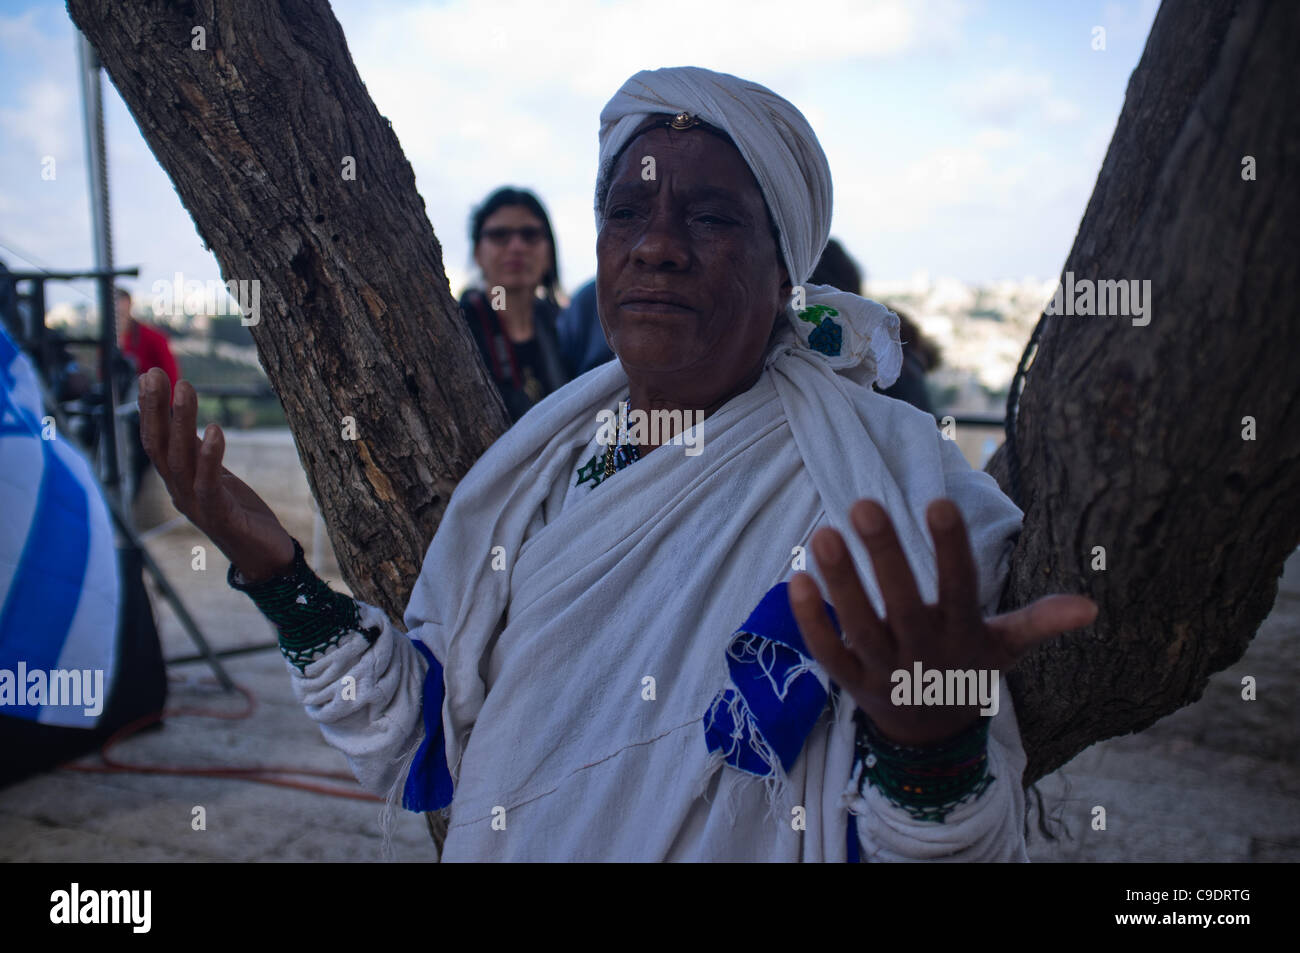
309 615
927 782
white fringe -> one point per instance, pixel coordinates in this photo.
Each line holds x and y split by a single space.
388 810
774 782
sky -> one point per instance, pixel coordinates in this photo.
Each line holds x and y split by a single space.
964 136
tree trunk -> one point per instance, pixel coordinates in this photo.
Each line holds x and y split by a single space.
295 180
1128 437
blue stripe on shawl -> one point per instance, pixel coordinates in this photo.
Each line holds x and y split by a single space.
775 698
428 783
46 586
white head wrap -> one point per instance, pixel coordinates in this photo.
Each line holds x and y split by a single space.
782 151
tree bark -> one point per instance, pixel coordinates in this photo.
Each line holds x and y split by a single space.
357 320
1130 437
1127 438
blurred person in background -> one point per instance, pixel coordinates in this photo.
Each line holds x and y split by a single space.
920 355
582 339
512 316
146 348
67 379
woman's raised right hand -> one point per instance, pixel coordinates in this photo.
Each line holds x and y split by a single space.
220 504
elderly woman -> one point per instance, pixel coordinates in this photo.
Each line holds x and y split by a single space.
636 666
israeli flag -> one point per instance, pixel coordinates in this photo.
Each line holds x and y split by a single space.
59 587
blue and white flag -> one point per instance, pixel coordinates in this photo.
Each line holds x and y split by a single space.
59 588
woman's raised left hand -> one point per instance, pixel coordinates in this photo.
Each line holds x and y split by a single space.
951 634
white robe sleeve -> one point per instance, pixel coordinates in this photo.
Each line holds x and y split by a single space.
991 826
374 719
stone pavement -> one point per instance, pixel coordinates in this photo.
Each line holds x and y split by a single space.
1217 781
67 816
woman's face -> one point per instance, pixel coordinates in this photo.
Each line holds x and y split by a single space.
512 249
689 278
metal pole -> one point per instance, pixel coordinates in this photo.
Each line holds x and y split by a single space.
92 111
42 345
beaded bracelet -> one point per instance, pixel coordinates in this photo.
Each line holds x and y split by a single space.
309 615
928 782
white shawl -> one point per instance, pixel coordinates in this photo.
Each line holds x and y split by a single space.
648 575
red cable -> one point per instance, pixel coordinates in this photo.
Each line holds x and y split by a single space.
260 775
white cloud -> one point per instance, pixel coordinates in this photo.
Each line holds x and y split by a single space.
996 137
1005 96
20 33
484 94
47 121
1056 109
589 41
1002 96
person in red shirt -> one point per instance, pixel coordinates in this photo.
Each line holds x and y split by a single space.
147 348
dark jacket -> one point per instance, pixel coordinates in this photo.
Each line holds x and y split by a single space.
524 372
911 385
582 339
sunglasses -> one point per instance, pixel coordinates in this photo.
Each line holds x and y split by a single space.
531 234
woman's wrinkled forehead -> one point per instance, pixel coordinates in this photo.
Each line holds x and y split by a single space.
606 174
653 123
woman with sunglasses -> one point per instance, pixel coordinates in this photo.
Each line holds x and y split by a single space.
513 315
